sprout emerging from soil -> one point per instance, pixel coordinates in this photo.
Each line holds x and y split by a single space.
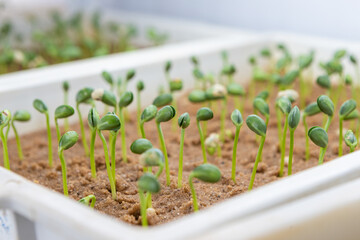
125 100
326 106
283 105
311 110
348 107
66 87
93 120
258 126
206 173
88 200
163 100
147 183
183 122
203 114
20 116
319 136
350 140
111 123
66 141
42 108
63 111
5 117
83 96
237 120
147 115
293 119
139 88
163 115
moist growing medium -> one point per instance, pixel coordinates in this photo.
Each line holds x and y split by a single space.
171 203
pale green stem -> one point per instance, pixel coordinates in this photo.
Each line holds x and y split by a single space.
63 170
142 130
327 125
162 142
138 103
262 142
193 193
174 120
123 141
236 139
18 143
202 141
340 136
66 121
113 157
92 153
83 136
278 117
181 153
357 129
222 120
49 139
5 149
291 151
143 209
57 130
283 149
108 168
321 156
307 146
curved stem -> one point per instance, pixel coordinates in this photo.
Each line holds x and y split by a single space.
123 141
49 139
322 155
108 168
283 141
138 107
83 136
162 142
233 168
257 160
142 129
18 143
222 120
174 120
181 153
143 209
327 125
93 201
352 149
92 153
340 136
57 130
278 117
63 170
5 149
202 141
193 193
307 146
291 151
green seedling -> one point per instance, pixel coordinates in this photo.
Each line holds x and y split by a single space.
111 123
212 143
293 119
311 110
319 136
125 100
147 115
203 114
139 88
261 106
66 141
197 96
237 91
263 94
93 121
324 82
140 145
350 140
129 75
83 96
63 111
207 173
66 87
5 118
289 78
326 106
152 157
229 71
218 91
42 108
20 116
147 183
109 79
237 120
354 115
354 62
183 122
88 201
167 69
283 105
348 107
105 96
163 115
339 54
304 62
291 94
258 126
163 100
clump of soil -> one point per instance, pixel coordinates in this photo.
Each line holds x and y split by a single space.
171 203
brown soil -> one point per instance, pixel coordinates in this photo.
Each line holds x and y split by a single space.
171 203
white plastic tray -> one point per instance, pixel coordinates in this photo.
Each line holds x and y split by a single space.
43 214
